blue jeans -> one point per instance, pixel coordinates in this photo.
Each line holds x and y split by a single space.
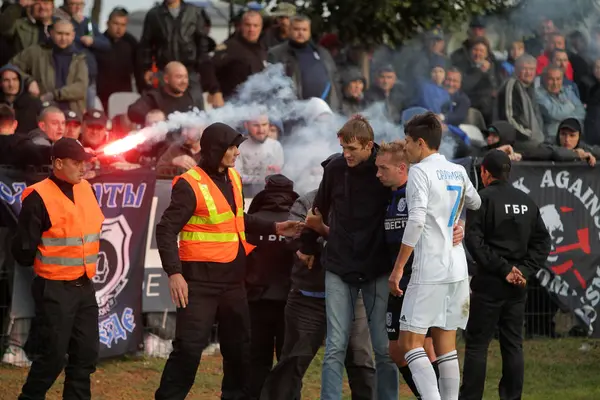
339 303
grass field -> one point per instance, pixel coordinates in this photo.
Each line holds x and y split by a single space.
554 370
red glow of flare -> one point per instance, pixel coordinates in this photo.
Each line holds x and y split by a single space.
124 145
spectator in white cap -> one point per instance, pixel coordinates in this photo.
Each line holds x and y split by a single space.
72 124
94 133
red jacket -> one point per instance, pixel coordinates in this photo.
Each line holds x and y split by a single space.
543 61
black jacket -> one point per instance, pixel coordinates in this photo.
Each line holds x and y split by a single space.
158 99
27 107
117 66
506 231
165 39
270 264
215 141
353 202
235 61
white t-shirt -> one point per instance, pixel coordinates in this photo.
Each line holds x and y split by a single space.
256 157
438 190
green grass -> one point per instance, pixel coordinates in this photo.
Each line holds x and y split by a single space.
554 370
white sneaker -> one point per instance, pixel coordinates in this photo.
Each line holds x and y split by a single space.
157 347
213 349
15 355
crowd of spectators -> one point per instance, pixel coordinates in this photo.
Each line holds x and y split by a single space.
58 73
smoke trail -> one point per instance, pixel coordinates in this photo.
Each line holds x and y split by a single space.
272 93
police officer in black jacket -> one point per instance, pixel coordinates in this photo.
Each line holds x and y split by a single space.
268 279
509 241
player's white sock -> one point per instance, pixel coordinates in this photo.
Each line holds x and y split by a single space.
449 375
423 373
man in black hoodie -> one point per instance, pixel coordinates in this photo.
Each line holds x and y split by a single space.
353 203
207 268
268 279
13 94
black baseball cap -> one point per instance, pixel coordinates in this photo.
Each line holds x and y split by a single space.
95 117
72 116
70 148
497 163
477 22
570 123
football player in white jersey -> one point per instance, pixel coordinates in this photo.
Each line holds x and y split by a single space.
437 295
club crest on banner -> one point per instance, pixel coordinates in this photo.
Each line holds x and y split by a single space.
113 263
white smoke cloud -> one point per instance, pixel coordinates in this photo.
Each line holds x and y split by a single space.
313 139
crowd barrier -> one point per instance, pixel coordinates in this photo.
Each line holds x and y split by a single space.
130 281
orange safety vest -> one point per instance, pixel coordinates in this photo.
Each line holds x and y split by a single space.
214 232
70 247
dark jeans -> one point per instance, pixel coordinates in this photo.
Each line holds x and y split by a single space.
227 304
267 331
486 313
305 329
66 322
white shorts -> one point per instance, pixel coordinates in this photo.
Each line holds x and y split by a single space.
444 306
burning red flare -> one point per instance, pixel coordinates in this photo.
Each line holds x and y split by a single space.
124 145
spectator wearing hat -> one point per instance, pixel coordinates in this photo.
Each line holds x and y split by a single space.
72 125
388 90
479 77
13 92
268 280
461 57
279 32
93 130
435 47
570 145
118 66
501 135
241 56
353 85
508 240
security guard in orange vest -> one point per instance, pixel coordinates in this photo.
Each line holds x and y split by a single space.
207 269
59 234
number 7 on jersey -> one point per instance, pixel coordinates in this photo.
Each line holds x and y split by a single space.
458 190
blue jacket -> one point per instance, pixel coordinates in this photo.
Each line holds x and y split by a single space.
433 97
